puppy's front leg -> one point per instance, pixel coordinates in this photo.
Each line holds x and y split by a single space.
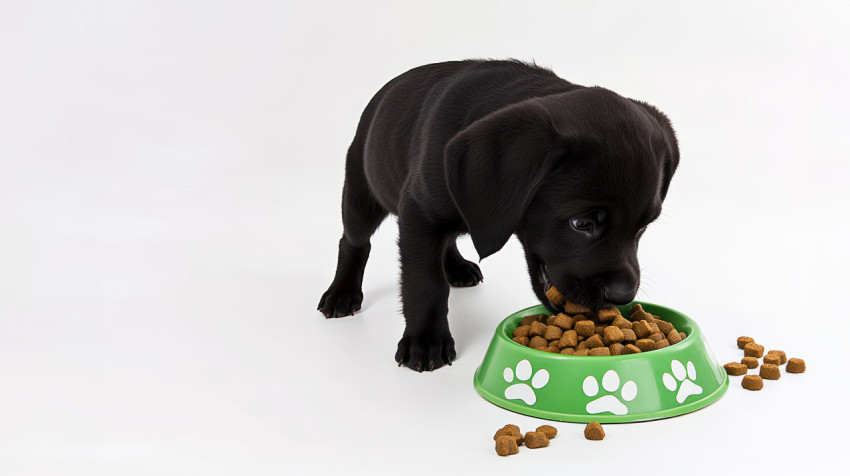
427 343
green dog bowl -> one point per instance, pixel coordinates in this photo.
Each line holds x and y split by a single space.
662 383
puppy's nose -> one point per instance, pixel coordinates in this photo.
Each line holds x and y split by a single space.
620 292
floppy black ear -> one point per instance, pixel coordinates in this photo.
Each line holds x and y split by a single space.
494 167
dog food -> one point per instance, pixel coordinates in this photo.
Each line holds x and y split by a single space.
795 366
506 445
600 333
555 296
750 362
744 340
772 359
734 368
752 382
753 350
594 431
769 372
548 430
509 430
780 353
536 439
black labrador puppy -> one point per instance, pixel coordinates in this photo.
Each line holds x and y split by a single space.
493 149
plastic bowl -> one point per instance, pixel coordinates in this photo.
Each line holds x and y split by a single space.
678 379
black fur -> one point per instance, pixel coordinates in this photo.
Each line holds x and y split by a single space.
496 148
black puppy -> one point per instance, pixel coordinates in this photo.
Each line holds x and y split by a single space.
496 148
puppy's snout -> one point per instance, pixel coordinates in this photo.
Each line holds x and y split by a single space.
620 291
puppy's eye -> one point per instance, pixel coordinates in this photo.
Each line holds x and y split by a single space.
582 224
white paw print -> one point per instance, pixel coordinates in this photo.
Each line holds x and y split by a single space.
522 391
688 387
608 403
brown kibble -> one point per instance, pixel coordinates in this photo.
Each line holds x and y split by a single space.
581 352
750 362
682 335
772 359
744 340
579 317
582 345
770 372
594 341
780 353
753 350
573 308
607 315
664 326
553 349
657 336
594 431
752 382
553 333
654 327
548 430
612 335
641 316
522 331
645 345
506 445
550 319
662 344
584 328
555 296
536 329
635 308
522 340
536 439
599 328
796 366
568 351
629 336
622 322
631 349
734 368
537 342
600 351
642 329
568 339
616 349
509 430
563 321
527 320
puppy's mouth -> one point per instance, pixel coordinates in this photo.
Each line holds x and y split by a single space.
569 292
547 283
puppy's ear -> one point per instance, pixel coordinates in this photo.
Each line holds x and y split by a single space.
494 167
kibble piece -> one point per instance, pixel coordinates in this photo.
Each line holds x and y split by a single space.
594 431
752 382
629 336
553 349
550 319
657 336
548 430
682 335
522 331
555 296
654 327
579 317
581 352
635 308
607 315
506 445
527 320
612 335
522 340
568 339
796 366
642 329
584 328
600 351
567 351
511 430
573 308
750 362
673 337
664 326
645 345
537 342
616 349
536 329
662 344
735 368
780 353
563 321
631 349
772 359
621 322
594 341
599 329
536 439
770 372
744 340
582 345
641 316
553 333
753 350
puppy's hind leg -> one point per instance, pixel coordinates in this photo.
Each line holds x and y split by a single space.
461 273
361 215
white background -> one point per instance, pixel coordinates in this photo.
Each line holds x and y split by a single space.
169 196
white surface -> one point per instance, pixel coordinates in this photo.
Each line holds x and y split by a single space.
170 205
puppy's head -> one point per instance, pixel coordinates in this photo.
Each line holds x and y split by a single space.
578 177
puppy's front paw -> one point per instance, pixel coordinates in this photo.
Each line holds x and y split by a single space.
425 352
463 273
340 302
